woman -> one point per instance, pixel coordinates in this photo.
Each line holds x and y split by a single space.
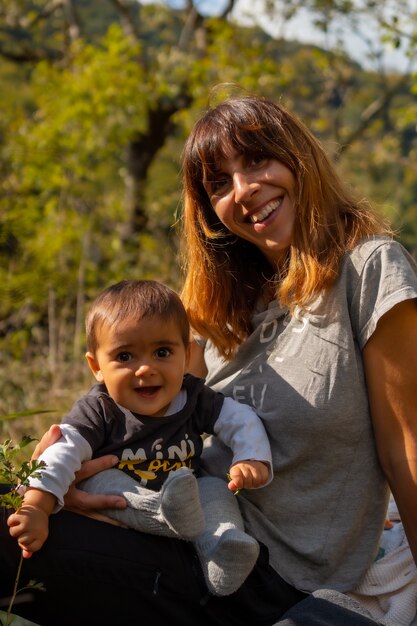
310 314
305 309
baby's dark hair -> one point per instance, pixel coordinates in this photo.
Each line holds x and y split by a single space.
137 299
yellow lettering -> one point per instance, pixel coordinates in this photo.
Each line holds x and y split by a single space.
130 464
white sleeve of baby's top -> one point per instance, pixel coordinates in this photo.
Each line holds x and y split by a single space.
240 428
62 459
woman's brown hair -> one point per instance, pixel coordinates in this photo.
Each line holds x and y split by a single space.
224 274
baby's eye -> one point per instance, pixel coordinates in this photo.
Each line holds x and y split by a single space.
162 353
123 357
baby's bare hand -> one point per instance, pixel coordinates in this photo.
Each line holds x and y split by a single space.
29 525
248 475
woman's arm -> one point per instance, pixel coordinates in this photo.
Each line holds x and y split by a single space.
390 359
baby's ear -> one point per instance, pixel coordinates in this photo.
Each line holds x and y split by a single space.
94 366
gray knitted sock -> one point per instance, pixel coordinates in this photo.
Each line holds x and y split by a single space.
143 510
153 512
180 504
227 554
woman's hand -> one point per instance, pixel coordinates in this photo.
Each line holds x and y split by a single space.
51 436
90 504
80 501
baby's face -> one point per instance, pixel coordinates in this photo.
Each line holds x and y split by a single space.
141 363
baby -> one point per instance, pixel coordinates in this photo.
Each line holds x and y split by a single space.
151 414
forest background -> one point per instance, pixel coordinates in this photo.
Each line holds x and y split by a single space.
97 98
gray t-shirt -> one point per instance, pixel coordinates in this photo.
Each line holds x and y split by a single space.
322 515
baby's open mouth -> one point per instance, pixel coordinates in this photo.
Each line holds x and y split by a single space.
148 391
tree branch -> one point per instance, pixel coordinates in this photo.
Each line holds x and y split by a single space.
228 9
31 56
126 18
193 23
20 32
372 112
71 17
28 22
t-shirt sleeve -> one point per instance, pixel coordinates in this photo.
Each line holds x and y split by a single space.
62 459
240 428
387 275
90 415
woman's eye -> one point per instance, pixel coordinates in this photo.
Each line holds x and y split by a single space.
162 353
256 160
220 184
217 186
124 357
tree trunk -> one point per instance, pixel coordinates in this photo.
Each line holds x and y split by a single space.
141 153
52 331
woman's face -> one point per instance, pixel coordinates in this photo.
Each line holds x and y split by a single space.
254 199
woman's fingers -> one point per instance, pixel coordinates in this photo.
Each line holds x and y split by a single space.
89 468
76 499
83 501
51 436
89 503
97 516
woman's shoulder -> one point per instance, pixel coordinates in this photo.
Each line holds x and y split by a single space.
375 276
380 250
369 245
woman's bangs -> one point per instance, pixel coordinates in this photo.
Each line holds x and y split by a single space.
214 148
210 149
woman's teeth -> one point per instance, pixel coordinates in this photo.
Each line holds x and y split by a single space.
263 214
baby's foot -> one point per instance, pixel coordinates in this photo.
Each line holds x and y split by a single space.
230 561
180 504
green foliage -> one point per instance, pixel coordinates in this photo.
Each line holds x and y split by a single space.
69 119
71 109
16 475
65 177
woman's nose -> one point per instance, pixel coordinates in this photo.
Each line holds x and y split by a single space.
244 187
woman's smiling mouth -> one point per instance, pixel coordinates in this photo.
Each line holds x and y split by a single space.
261 215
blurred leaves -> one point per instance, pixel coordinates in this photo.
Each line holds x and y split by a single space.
99 81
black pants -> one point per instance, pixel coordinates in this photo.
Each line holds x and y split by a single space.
98 573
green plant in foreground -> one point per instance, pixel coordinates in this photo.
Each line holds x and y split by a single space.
16 476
